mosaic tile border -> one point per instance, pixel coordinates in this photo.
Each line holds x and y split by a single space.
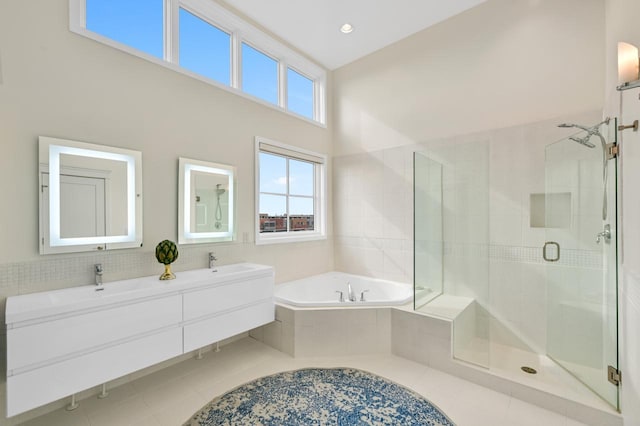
569 257
61 271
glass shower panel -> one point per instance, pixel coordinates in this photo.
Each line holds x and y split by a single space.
581 259
428 232
451 235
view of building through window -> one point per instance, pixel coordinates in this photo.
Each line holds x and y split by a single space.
286 194
279 223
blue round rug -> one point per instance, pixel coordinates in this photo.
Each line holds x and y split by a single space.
338 396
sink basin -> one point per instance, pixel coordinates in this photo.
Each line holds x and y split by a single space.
25 307
235 268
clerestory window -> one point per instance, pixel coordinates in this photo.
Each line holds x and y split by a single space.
206 41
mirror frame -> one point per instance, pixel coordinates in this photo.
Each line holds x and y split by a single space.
50 150
185 234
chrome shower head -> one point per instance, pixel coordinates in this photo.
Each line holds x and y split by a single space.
591 131
583 141
219 190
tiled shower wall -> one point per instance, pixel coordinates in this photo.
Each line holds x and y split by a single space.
373 214
491 252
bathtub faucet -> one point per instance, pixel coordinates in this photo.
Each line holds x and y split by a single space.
351 294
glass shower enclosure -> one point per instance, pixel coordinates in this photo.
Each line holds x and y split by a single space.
457 261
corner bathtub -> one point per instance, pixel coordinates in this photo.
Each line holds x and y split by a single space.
322 290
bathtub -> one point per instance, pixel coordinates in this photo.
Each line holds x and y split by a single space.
323 290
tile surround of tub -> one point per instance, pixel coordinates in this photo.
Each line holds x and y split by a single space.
328 332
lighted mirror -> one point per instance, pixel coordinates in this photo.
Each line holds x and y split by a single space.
90 196
205 202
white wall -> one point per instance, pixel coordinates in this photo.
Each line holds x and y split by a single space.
500 64
57 83
622 25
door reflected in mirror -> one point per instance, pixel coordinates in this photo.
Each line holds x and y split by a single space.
90 197
206 202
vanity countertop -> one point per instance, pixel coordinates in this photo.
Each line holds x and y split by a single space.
37 306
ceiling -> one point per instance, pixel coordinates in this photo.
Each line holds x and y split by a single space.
314 26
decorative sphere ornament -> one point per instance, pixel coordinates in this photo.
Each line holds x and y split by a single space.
167 253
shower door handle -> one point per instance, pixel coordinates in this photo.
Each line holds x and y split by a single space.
544 251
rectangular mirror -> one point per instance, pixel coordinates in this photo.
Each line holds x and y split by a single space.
205 202
90 196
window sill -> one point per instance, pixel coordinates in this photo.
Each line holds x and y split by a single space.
265 240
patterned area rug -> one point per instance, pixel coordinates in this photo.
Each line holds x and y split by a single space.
340 396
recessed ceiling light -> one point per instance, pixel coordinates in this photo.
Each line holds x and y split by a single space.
346 28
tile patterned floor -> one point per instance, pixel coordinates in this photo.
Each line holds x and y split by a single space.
170 396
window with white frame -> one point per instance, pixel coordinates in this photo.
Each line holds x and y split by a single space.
290 193
206 41
138 24
299 93
259 74
204 48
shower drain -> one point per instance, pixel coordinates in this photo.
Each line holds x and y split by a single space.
529 370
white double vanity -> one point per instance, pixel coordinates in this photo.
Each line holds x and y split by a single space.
65 341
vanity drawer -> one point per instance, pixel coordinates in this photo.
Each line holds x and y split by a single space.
35 345
49 383
214 329
209 301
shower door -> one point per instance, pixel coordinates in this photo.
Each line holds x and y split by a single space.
580 254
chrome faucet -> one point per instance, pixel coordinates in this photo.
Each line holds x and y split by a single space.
98 270
212 260
350 294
